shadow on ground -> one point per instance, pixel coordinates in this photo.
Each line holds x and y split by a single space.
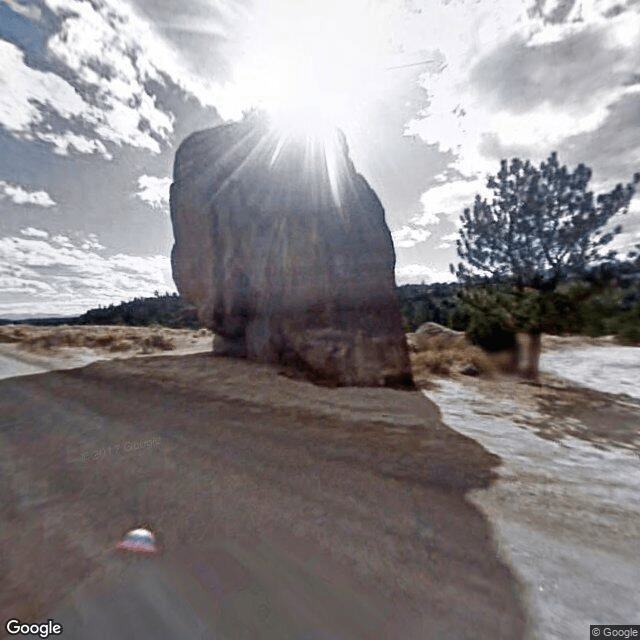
285 510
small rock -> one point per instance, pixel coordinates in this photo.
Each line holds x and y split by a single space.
469 370
435 329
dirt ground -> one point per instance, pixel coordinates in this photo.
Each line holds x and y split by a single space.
361 501
346 508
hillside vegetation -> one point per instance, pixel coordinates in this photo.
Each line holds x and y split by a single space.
167 310
612 311
615 311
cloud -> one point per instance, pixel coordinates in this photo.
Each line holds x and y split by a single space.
613 151
91 242
96 81
101 42
30 232
154 191
19 195
63 144
630 235
448 241
527 76
450 199
416 273
63 241
625 242
67 275
22 107
409 236
27 10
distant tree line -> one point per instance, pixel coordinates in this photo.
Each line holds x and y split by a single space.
168 310
613 310
420 303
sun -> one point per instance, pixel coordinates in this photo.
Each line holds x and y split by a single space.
311 65
296 97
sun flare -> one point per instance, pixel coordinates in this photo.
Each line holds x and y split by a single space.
312 66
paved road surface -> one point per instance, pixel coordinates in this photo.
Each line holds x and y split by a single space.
285 511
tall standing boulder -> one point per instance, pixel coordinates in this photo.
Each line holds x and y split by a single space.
285 251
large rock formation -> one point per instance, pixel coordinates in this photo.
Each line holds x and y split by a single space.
284 249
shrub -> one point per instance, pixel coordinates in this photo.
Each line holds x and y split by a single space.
630 334
440 355
491 333
627 325
120 345
157 341
103 340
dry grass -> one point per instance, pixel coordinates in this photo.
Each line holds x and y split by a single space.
113 339
157 341
443 355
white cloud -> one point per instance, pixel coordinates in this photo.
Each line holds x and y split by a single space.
25 87
154 191
99 65
409 236
64 143
624 242
448 241
416 273
630 235
61 275
513 77
450 199
20 106
27 10
111 33
19 195
30 232
100 42
91 243
63 241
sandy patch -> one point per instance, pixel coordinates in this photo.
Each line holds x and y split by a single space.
606 367
566 507
562 343
26 350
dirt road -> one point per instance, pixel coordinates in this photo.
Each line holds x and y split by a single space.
285 511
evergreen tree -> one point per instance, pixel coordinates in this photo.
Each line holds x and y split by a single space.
541 228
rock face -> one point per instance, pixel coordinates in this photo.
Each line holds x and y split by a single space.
285 251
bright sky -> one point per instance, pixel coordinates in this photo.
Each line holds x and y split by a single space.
96 96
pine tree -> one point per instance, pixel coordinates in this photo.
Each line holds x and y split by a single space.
541 228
